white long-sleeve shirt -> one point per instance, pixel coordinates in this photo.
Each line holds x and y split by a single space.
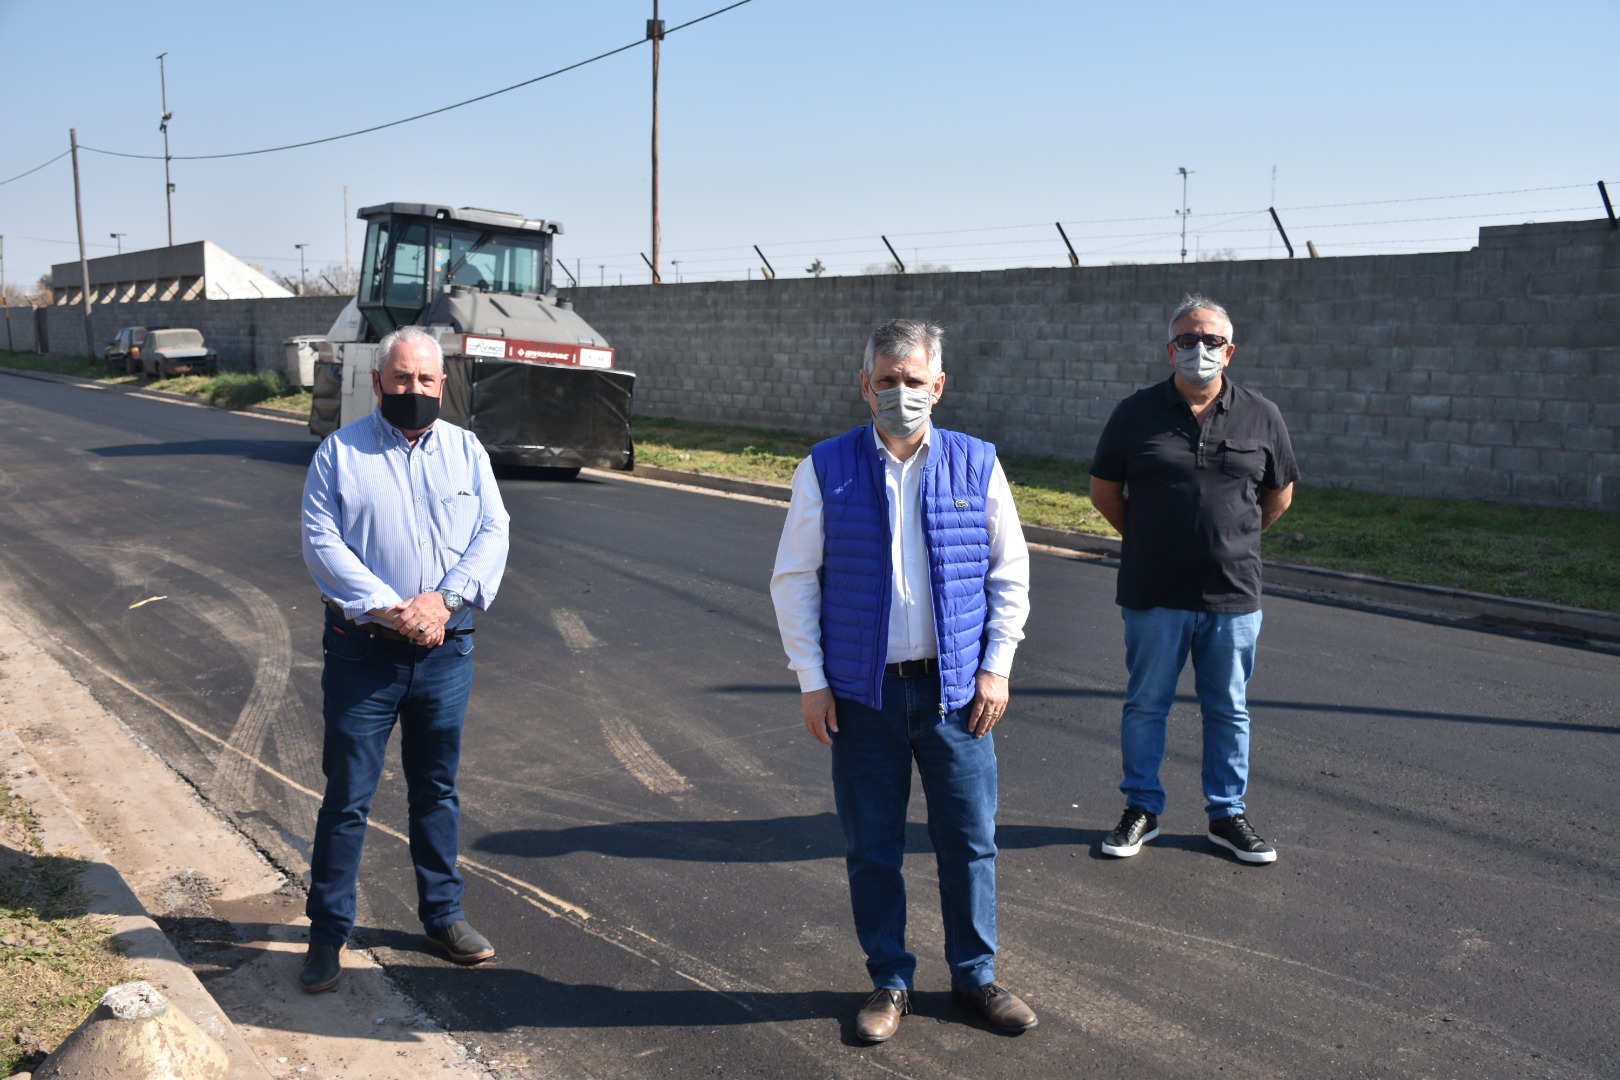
796 582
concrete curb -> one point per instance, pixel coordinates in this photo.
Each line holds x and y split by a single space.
110 896
1282 579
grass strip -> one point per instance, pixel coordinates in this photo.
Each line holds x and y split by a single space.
55 961
1534 553
229 389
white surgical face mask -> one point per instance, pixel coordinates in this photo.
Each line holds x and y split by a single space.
1199 365
902 410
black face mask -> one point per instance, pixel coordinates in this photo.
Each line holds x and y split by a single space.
410 412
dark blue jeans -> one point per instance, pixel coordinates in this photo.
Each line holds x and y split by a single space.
871 769
369 683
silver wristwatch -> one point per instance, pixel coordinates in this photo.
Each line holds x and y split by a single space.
452 600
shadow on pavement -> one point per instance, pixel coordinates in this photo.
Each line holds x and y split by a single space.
783 839
275 451
526 999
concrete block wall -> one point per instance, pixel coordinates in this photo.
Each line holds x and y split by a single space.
248 333
18 331
1491 373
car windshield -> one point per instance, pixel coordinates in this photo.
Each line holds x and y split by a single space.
175 339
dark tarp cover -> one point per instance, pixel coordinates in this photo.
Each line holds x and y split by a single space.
550 415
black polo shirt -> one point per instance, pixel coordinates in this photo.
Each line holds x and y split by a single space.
1192 495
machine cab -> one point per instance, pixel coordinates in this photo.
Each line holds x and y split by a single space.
414 251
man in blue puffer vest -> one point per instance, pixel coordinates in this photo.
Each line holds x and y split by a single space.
901 589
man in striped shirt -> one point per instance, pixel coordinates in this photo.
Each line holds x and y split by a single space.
405 533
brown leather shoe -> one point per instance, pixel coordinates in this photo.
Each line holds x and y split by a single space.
880 1016
1001 1008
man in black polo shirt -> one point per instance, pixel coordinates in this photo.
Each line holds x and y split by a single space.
1191 472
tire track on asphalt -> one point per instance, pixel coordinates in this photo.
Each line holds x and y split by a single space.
627 743
265 642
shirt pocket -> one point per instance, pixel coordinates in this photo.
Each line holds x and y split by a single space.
1242 460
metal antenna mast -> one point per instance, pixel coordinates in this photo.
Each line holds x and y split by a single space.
163 126
1184 211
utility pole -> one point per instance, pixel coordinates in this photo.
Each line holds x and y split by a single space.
655 32
163 126
348 275
118 237
1184 211
300 248
84 261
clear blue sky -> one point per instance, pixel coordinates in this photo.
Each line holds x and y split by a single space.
962 131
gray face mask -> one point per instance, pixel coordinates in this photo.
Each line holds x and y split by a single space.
1199 365
902 410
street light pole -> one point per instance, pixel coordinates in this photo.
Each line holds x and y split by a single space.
300 248
119 238
163 126
1183 212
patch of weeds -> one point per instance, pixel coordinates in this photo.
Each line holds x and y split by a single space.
83 367
239 389
55 961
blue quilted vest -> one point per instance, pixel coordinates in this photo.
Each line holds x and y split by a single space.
856 576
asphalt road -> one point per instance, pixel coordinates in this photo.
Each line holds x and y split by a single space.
649 835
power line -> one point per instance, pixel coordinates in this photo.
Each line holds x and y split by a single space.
36 168
1430 198
418 116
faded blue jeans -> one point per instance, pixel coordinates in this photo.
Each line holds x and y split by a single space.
1158 642
369 683
871 770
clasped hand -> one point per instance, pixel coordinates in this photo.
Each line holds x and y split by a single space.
421 618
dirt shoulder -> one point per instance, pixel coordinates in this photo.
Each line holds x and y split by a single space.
234 918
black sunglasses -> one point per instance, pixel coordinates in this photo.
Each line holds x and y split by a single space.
1209 341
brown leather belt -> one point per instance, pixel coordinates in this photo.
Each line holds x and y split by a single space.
914 669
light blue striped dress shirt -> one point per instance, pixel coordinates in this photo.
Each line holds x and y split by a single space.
385 521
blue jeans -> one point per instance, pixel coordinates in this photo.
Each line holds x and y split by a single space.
1157 643
871 771
369 683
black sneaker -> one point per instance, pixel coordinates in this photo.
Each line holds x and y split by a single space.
1238 836
1135 828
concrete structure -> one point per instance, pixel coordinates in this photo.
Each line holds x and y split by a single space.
198 271
1490 373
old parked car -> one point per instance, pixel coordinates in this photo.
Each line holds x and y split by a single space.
123 352
170 352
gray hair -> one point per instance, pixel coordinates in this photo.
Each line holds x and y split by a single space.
404 335
897 339
1191 303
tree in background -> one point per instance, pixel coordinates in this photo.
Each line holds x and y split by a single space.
328 281
920 268
815 268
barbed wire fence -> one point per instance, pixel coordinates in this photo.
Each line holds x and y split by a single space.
1228 235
